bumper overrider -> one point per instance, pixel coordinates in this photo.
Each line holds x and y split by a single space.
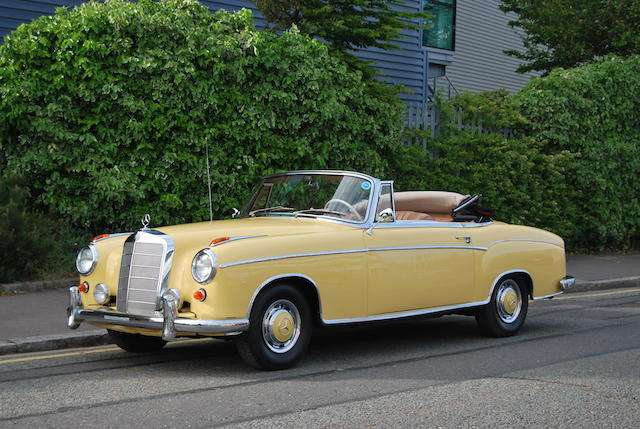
567 283
169 322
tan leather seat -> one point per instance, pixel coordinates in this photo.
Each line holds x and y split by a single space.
437 204
411 215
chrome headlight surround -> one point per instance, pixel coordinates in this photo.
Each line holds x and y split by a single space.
87 260
204 266
101 293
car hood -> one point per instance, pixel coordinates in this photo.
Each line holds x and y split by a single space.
204 232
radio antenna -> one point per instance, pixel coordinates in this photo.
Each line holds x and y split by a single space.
206 146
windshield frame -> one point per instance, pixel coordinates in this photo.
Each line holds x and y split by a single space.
375 188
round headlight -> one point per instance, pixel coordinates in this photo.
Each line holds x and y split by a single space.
101 293
87 259
204 266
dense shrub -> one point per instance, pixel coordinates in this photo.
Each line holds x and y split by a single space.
573 167
521 184
31 244
593 112
108 109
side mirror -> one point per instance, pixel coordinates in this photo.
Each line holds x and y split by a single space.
234 212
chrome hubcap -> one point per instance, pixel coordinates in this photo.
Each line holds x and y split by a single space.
281 326
508 301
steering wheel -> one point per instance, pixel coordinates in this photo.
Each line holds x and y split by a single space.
346 204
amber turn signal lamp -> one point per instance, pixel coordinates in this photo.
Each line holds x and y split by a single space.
200 295
218 240
98 237
83 287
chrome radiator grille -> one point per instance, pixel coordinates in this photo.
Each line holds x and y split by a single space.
144 272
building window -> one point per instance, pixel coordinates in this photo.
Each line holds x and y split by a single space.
441 31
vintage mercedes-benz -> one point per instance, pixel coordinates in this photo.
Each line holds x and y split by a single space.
315 248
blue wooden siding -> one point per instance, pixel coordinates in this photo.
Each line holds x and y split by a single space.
404 66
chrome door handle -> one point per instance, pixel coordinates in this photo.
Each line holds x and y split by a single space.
466 238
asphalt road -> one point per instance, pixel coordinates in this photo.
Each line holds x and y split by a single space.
576 363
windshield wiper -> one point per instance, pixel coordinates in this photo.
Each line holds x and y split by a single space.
271 209
319 212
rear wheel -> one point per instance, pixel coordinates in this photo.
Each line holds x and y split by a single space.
279 329
136 343
507 309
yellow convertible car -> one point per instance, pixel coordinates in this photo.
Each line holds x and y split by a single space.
315 248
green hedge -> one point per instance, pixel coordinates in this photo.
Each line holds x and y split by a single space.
519 182
32 244
593 112
108 109
573 167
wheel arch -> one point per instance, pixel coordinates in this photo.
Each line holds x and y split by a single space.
519 274
305 284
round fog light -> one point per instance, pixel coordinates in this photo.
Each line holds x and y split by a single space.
101 293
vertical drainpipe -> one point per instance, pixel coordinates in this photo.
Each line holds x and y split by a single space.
425 83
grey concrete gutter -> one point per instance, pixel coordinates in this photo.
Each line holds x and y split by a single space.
96 337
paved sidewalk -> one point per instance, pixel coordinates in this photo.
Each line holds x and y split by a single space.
36 321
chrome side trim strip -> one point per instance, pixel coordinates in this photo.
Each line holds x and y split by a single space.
403 314
376 249
294 255
338 252
430 224
242 237
538 298
530 240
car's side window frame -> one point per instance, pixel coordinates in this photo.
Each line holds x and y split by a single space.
392 203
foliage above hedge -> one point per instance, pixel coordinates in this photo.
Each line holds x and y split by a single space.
108 109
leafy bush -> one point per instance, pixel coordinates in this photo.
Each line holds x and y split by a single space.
593 112
109 109
521 184
574 166
31 244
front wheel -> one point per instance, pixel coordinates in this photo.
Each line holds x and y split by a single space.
279 329
136 343
507 309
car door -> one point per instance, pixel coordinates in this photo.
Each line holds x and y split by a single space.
414 265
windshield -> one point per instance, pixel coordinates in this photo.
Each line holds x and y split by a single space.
333 195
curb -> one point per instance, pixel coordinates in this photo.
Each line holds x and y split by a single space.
585 286
38 285
99 337
54 342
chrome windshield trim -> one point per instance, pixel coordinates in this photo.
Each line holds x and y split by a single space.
242 237
338 252
403 314
375 190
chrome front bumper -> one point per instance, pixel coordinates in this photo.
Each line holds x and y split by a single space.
170 324
567 282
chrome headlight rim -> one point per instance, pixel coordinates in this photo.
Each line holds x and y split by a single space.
94 259
213 270
102 290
